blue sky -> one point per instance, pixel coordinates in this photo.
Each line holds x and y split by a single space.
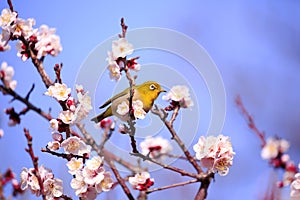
254 44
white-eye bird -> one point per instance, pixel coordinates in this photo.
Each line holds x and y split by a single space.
146 92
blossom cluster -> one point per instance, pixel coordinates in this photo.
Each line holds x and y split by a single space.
90 177
76 110
179 95
141 181
215 153
117 60
295 186
155 147
52 187
42 41
275 152
137 106
6 75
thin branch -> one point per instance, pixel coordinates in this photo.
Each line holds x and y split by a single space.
63 155
10 5
202 192
108 131
29 92
119 178
124 28
172 186
30 106
57 69
250 120
169 167
169 125
34 161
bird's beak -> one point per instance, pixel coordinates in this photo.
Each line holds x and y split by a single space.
162 90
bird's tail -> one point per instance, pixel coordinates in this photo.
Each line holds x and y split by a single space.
103 115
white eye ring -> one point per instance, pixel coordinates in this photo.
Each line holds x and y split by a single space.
152 87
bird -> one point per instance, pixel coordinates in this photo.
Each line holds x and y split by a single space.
146 92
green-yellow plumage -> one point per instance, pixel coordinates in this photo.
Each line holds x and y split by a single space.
146 92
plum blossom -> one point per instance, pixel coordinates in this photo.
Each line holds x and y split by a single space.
274 147
7 18
141 181
181 95
295 187
78 184
53 145
215 153
121 48
59 91
113 67
123 108
155 147
67 116
132 64
84 104
74 165
54 124
75 145
4 46
23 28
6 75
48 42
138 111
53 188
106 184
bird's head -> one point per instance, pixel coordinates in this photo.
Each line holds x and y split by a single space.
150 90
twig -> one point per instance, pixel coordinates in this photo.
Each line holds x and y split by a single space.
202 192
29 92
30 106
65 197
250 120
108 131
119 178
124 28
169 167
10 5
63 155
57 69
34 161
172 186
169 125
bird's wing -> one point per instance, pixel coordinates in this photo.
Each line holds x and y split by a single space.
124 92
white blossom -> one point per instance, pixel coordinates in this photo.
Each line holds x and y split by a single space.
92 177
141 181
295 187
53 188
78 184
155 147
6 74
215 153
59 91
273 147
106 184
7 18
53 145
121 48
67 116
123 108
23 28
75 145
48 42
1 133
181 94
54 124
4 46
74 165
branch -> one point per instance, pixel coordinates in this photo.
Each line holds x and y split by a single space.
169 167
119 178
66 156
34 161
30 106
172 186
169 125
202 192
124 28
10 5
250 120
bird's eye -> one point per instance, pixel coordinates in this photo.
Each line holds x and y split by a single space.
152 87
